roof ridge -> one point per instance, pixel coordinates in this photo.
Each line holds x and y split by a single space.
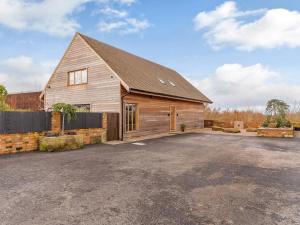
140 57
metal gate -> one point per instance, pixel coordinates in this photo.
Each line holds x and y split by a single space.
113 124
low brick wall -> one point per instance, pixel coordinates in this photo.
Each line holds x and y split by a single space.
90 136
13 143
275 132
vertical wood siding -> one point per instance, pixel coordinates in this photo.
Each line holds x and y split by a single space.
154 114
102 91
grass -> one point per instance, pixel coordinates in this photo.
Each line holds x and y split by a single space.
251 118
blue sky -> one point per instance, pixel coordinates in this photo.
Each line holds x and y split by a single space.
239 53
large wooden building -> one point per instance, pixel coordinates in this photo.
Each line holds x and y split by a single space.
149 97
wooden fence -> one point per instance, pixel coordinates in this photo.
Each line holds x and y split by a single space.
24 122
84 121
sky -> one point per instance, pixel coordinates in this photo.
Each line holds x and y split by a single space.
238 53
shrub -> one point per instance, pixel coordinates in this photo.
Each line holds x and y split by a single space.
231 130
216 128
61 143
282 122
182 127
266 123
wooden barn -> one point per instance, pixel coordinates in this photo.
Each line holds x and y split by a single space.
25 101
150 98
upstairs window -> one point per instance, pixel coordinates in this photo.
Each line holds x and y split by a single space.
78 77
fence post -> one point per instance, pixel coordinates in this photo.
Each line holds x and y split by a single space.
55 127
104 126
104 120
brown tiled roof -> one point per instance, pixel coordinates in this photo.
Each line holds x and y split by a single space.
143 75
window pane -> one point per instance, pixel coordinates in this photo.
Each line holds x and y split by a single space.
127 127
84 76
71 78
133 117
130 117
78 77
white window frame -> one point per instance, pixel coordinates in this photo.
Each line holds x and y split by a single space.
77 77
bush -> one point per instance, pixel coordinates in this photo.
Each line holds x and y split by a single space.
282 122
60 143
266 124
231 130
216 128
182 127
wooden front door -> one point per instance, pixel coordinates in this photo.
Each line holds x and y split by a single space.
172 118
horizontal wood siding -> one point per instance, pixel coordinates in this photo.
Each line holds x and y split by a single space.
102 91
154 115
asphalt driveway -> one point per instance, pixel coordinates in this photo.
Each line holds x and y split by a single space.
186 180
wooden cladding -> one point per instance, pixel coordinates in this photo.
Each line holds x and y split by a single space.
161 115
102 92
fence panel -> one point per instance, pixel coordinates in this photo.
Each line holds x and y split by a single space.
24 122
84 121
113 126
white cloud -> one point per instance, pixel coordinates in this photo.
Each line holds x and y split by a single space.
227 25
124 26
54 17
109 27
50 16
234 85
23 74
113 12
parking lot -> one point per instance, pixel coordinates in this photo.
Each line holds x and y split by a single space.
186 179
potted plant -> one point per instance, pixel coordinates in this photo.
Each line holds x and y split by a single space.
68 111
62 142
182 127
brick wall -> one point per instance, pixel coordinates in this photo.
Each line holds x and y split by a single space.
275 132
13 143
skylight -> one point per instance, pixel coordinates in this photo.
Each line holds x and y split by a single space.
161 81
173 84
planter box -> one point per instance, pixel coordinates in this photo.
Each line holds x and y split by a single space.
61 143
275 132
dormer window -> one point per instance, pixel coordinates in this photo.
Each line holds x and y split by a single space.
78 77
172 83
161 81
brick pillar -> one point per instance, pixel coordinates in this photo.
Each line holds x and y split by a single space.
104 120
56 128
104 126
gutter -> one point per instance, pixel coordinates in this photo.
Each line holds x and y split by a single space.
168 96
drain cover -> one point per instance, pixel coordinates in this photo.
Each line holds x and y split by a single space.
138 143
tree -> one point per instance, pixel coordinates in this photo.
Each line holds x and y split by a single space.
276 111
277 108
67 110
3 95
